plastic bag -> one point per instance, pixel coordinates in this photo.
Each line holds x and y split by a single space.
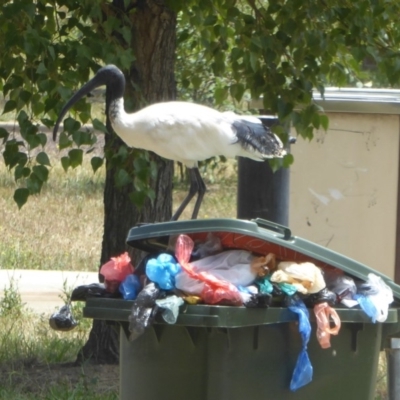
258 300
344 288
209 287
303 371
306 277
379 294
83 292
264 284
367 306
170 306
143 310
130 287
323 296
115 271
211 246
162 270
63 320
323 312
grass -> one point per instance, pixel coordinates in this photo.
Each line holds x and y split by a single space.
62 228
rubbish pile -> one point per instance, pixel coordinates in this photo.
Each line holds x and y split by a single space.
206 272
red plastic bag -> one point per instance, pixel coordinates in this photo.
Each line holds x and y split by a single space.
215 291
115 271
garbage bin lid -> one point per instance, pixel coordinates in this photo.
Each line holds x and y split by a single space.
258 236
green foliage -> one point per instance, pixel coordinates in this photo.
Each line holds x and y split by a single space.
227 50
48 49
285 50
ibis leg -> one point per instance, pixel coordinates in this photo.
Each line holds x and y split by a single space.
193 189
201 191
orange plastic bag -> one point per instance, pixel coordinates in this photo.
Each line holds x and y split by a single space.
323 312
115 271
215 291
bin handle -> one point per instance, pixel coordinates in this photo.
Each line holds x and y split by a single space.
273 226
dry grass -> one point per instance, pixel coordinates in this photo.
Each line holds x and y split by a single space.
62 228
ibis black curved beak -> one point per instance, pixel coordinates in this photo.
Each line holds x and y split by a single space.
108 75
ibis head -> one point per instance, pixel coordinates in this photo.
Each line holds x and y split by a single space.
109 76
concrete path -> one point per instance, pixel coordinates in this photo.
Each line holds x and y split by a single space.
41 290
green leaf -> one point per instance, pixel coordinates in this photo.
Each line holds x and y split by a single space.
42 139
196 81
99 126
210 20
75 157
49 123
4 134
34 184
64 141
71 125
237 90
9 106
65 163
122 178
254 61
138 198
81 138
21 196
41 172
316 120
33 141
43 159
220 94
21 172
25 96
324 121
288 160
96 163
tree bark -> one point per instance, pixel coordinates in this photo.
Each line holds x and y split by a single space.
153 43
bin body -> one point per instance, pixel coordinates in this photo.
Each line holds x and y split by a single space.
177 362
234 353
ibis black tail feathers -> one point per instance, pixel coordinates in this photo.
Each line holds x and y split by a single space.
258 138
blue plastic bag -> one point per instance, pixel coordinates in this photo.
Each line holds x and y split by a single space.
367 306
162 270
130 287
303 371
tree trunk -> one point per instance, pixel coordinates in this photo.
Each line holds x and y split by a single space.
153 43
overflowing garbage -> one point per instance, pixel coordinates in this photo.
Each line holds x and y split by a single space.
206 272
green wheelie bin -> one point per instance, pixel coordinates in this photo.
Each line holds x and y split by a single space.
237 353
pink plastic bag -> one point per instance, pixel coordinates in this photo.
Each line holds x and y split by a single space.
115 271
323 312
215 291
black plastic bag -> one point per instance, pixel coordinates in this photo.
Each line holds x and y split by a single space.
63 320
143 310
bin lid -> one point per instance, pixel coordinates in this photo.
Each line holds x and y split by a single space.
258 236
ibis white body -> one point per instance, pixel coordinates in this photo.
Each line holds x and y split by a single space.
182 131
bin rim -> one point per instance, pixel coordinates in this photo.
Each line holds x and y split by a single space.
138 237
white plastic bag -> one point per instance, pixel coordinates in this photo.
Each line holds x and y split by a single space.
233 266
306 277
380 295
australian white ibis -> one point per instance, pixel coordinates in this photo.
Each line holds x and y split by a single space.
181 131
